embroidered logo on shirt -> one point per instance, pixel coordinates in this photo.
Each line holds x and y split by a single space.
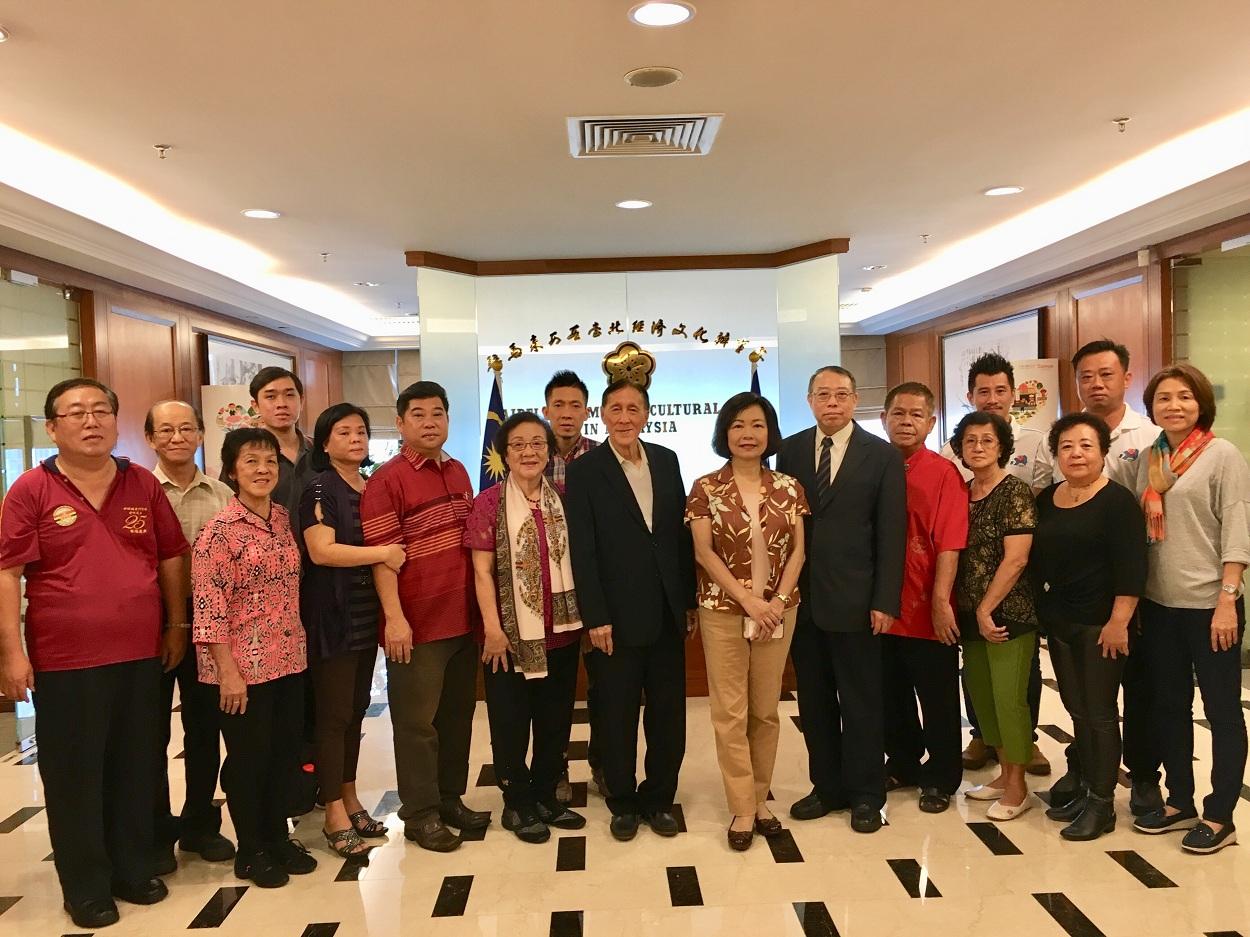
136 521
1020 459
64 515
1129 455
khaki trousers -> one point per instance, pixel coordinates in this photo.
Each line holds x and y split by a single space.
744 683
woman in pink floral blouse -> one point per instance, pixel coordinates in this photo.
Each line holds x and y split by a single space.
747 524
245 574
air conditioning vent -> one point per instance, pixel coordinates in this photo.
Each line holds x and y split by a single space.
665 135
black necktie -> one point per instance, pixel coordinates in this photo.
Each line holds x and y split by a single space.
822 469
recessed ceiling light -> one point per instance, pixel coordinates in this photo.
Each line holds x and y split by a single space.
873 267
261 213
4 34
661 14
366 283
633 203
1005 190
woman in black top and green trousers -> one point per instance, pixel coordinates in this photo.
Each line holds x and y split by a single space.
1089 568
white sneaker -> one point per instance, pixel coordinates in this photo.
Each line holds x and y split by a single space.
1000 811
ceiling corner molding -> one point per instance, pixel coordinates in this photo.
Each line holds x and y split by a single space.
498 268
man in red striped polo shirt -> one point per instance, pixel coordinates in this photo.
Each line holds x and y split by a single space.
420 499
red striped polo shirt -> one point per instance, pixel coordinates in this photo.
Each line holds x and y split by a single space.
422 504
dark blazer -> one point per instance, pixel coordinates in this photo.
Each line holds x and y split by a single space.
625 574
856 533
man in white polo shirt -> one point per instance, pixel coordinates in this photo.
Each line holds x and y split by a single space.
1102 379
992 389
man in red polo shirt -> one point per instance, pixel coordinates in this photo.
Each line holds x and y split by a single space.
920 653
101 550
420 500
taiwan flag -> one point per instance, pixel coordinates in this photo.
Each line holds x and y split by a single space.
492 460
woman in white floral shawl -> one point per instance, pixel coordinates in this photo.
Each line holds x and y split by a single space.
747 524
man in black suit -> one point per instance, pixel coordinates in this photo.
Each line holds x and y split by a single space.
850 587
633 565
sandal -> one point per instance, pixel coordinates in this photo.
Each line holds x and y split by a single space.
347 843
365 825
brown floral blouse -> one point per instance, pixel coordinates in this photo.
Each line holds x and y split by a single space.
1008 509
782 507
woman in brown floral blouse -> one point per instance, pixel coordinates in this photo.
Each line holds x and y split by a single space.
748 540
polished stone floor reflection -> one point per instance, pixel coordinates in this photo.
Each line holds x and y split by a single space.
956 873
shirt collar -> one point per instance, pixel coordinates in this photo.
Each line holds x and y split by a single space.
234 512
200 479
1131 420
418 461
50 465
839 438
621 459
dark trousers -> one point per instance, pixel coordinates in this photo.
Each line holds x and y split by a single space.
1035 695
432 699
341 688
519 708
1089 685
262 755
917 668
593 758
1177 643
201 747
839 677
658 672
97 731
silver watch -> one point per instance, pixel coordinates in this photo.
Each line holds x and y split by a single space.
1234 591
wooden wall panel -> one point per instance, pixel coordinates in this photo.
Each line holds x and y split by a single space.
1119 314
148 375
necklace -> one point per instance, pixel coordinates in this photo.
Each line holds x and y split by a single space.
1076 494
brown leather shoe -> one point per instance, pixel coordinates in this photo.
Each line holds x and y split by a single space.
739 840
429 832
1038 764
453 812
770 827
977 754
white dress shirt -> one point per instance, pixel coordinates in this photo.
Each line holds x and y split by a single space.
838 451
638 474
1130 441
1029 460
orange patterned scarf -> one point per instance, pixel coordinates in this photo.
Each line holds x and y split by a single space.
1179 462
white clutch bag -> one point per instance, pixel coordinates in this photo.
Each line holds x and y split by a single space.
751 629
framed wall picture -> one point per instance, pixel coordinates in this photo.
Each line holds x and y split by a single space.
1016 339
231 363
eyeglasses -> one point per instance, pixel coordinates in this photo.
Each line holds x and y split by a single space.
166 433
538 445
824 396
100 415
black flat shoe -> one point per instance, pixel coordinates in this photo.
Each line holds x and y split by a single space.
1160 822
1146 798
429 832
739 840
260 869
770 827
865 819
526 824
810 807
624 826
560 816
453 812
933 800
1203 839
211 848
662 823
1069 811
93 913
149 892
293 856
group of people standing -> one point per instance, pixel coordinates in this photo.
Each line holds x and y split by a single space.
866 562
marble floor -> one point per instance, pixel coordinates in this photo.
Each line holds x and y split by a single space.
954 873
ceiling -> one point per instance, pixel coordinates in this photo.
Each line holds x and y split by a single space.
410 124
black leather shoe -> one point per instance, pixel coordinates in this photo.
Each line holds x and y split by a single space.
293 856
1145 799
662 823
453 812
260 869
1160 822
430 833
1204 839
865 819
1069 811
149 892
624 826
1097 818
810 807
165 862
770 827
933 800
560 816
526 824
739 840
92 913
212 847
1067 789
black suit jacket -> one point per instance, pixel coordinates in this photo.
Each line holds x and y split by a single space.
856 533
624 574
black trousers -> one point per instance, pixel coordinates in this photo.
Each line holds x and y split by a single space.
918 668
518 709
97 731
1035 695
341 687
593 758
262 755
1089 685
201 746
658 672
1177 643
840 689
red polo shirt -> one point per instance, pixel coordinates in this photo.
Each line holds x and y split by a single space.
422 504
937 521
91 587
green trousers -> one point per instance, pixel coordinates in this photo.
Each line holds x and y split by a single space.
997 676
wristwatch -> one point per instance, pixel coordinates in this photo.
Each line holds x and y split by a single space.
1234 591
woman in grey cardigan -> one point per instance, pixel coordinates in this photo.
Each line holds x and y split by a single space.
1195 491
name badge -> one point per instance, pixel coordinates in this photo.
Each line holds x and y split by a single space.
64 515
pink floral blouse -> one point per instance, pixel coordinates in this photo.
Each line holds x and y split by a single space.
245 578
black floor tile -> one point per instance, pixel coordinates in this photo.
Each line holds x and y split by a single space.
581 716
579 750
182 755
770 795
218 907
486 777
1068 916
787 696
995 839
579 794
352 869
31 759
683 886
1140 869
566 924
815 919
1050 682
798 725
1056 733
914 878
17 818
1043 796
783 847
8 902
473 836
1223 933
321 930
375 709
1202 722
1245 792
680 817
453 896
390 803
49 857
571 854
